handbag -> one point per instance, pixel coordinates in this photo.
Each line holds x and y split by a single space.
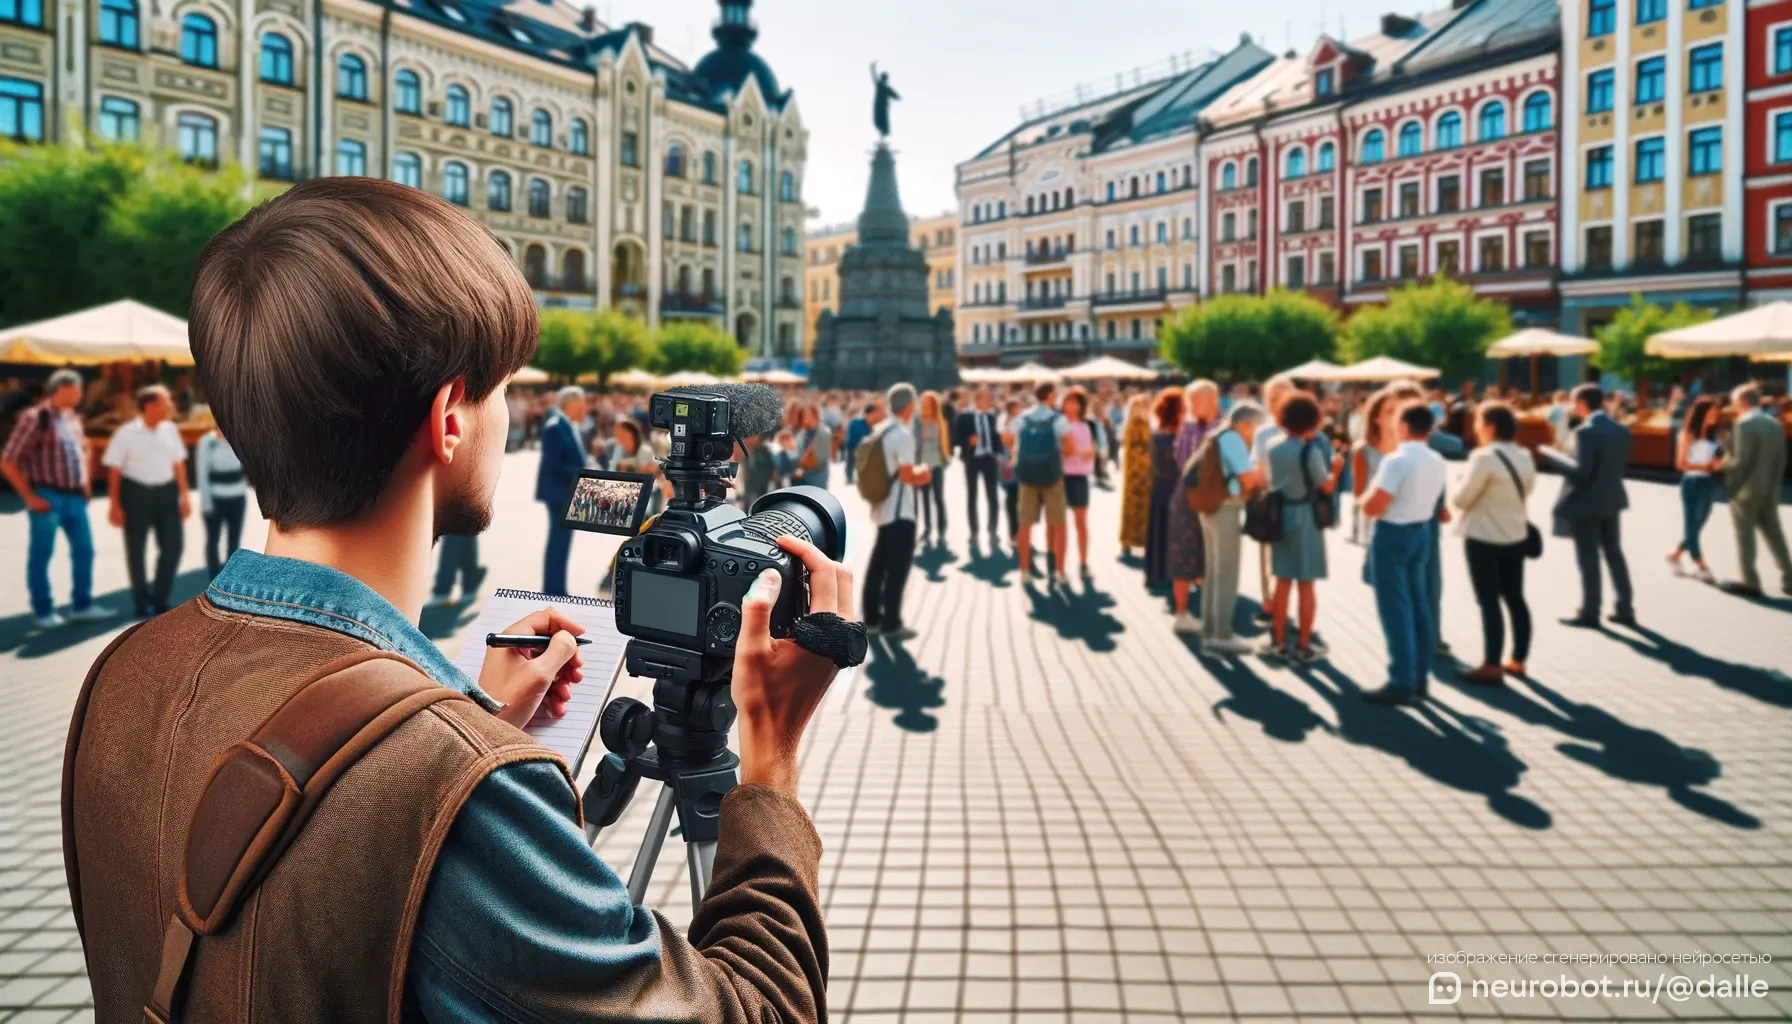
1325 506
1532 545
1263 521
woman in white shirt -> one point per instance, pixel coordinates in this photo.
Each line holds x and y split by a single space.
223 497
1698 458
1501 476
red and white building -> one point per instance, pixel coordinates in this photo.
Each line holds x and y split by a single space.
1767 151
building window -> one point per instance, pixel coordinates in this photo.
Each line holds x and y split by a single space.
1163 232
1162 185
744 178
1599 248
1371 205
1782 229
459 106
21 110
1297 163
1133 235
1409 261
1297 217
1493 122
199 41
1228 284
1648 249
709 168
1493 254
1651 160
409 92
118 23
787 241
1327 269
541 129
1782 50
787 188
1250 224
630 149
1449 130
1602 17
1705 68
668 220
1228 179
1228 229
1651 80
709 227
29 13
1650 10
579 137
743 237
1449 258
407 169
1322 83
351 78
1409 199
572 270
497 191
120 120
276 59
1536 249
1372 147
1599 91
1325 213
1296 275
1705 151
1599 167
1782 137
1372 265
1250 171
1536 179
503 118
454 182
1328 157
351 158
197 138
1537 112
1493 186
1704 237
541 203
1449 193
275 154
1412 139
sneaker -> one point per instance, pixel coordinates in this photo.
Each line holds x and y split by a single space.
1704 575
1310 654
1675 566
1059 579
1316 647
1088 575
1226 645
50 621
1186 623
1272 652
91 613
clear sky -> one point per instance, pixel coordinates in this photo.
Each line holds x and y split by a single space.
966 67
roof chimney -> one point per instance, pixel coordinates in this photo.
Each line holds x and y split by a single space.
1397 26
644 30
588 20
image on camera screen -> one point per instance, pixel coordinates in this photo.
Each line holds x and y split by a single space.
608 502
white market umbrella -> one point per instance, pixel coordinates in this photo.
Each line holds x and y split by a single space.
1539 341
688 379
530 375
629 379
1313 369
1384 368
775 378
117 332
1108 368
1034 372
983 375
1763 334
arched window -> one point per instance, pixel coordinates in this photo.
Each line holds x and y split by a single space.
1297 163
120 121
1229 176
744 237
572 270
407 169
580 137
576 205
118 23
1373 148
709 168
1161 182
541 129
787 241
1412 139
1493 122
787 291
351 78
351 158
502 119
409 92
787 187
535 265
541 203
709 282
684 280
1449 130
276 58
459 106
1536 112
745 182
1250 171
199 41
497 191
1328 157
674 161
454 182
197 138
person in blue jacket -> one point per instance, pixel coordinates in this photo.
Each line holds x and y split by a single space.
562 457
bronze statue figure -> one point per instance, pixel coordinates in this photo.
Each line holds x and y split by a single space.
880 111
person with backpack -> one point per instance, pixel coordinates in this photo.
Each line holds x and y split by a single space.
888 477
1185 559
1304 471
1224 477
1041 442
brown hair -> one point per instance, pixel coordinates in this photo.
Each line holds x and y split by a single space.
1080 396
325 321
1044 390
1501 418
1298 413
1168 410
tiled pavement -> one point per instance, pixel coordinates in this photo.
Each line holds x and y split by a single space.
1049 807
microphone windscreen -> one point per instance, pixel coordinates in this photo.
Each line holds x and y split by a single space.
753 409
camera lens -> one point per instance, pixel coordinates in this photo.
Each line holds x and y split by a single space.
808 513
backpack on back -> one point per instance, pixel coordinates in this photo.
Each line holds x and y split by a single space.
871 472
1039 462
1210 487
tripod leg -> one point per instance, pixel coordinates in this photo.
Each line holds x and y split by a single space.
701 856
649 854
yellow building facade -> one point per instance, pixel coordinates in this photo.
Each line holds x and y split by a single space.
936 237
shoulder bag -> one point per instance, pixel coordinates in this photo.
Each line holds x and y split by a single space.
1325 506
1532 545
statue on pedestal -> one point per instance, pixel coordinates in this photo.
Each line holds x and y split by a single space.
880 107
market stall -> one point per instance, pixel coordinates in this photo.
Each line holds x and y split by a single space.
1535 431
1109 368
1761 335
1381 370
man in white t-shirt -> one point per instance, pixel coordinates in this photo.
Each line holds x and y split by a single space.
1404 499
894 551
147 477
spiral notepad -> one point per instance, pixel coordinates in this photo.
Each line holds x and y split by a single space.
570 735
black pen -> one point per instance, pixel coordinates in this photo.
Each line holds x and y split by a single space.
526 640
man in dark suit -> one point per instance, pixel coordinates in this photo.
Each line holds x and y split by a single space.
1591 500
979 438
562 457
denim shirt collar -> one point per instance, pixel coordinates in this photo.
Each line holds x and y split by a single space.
317 595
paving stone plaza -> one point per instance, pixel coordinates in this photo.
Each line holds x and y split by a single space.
1048 807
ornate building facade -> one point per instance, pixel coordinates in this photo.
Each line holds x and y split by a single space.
616 174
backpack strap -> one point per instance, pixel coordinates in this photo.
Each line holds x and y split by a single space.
261 792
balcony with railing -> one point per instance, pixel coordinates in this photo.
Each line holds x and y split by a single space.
562 283
1133 297
690 305
1046 256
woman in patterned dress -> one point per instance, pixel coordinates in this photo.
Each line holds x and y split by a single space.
1135 487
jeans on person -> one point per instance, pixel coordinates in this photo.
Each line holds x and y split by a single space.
223 521
146 510
1497 573
1698 492
887 574
1593 537
1221 533
933 500
1400 553
459 557
68 513
553 577
1011 503
980 473
852 462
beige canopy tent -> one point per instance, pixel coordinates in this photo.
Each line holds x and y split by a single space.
1763 334
1383 368
1033 372
1538 341
630 379
1313 369
117 332
775 378
983 375
530 375
1109 368
688 379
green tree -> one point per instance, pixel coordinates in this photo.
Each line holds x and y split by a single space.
1250 336
697 345
161 225
618 342
564 349
574 343
1622 342
1441 324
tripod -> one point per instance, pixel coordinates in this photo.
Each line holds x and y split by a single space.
682 741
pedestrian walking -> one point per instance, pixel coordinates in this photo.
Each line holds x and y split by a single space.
933 450
1010 483
815 449
857 429
1497 526
980 447
223 498
1167 414
1224 479
1304 470
1379 437
1135 485
1590 504
45 460
562 458
147 479
1041 444
893 552
1079 466
1185 557
1753 479
1275 390
1698 456
1403 500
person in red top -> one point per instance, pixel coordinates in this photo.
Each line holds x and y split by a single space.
45 460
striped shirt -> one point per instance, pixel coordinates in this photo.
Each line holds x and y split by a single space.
50 448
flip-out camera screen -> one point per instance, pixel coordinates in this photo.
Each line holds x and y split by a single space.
608 502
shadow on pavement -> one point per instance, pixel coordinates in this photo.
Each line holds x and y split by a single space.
1769 686
1283 716
931 558
901 685
1617 748
1441 743
992 567
1076 614
443 621
19 634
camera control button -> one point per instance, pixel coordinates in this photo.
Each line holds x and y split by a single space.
752 567
731 567
724 624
